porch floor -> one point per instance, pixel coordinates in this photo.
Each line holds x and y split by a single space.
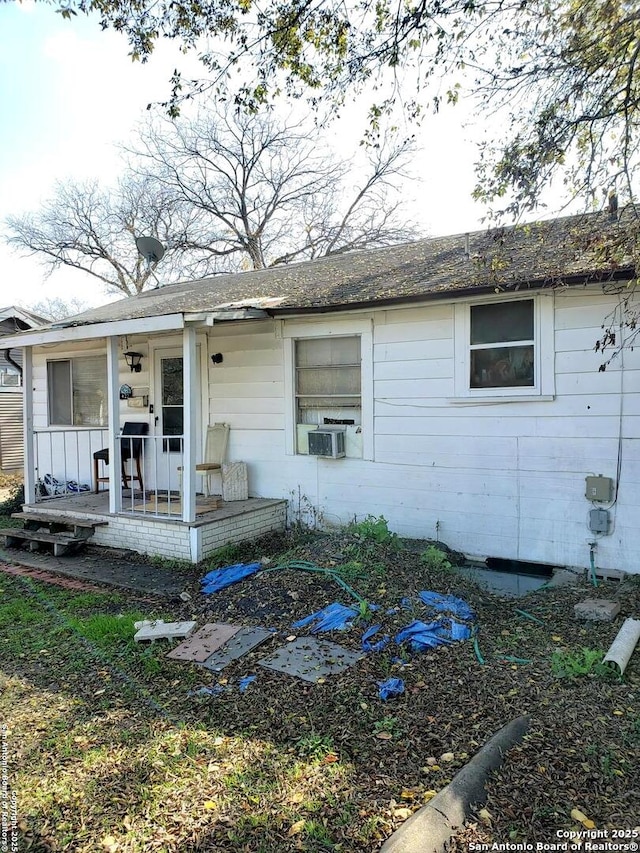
90 504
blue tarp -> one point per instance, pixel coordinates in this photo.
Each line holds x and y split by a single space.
448 604
220 578
390 687
334 617
243 683
459 631
374 647
422 635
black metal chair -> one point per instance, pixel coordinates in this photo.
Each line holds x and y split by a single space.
130 448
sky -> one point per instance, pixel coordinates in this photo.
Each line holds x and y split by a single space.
69 94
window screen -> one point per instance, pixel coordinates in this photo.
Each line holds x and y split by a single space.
328 380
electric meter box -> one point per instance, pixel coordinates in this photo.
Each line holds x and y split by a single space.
599 520
599 489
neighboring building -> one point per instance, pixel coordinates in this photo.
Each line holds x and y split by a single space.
460 372
12 320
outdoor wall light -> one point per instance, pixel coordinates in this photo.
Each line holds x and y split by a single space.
216 358
133 359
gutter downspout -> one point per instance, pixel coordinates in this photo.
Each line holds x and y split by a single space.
7 355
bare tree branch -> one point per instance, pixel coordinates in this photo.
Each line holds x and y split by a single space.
270 193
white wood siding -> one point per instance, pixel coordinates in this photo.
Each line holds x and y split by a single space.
502 479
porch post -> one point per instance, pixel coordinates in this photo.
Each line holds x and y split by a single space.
189 460
113 407
29 436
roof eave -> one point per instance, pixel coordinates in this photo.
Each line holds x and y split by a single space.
93 331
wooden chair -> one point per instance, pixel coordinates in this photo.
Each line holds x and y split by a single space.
130 448
215 450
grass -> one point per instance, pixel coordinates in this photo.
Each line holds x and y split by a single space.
107 631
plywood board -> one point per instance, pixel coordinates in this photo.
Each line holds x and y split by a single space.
245 640
204 642
310 659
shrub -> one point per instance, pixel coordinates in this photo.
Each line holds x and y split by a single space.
14 502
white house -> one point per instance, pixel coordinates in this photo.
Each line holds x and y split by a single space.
460 373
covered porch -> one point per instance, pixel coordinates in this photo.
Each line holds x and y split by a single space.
124 443
217 523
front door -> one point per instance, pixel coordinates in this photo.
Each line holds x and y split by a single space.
169 410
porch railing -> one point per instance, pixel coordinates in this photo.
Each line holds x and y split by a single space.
64 466
63 460
161 460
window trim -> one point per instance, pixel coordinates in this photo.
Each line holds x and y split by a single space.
543 350
349 327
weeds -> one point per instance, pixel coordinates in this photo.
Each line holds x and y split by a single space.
370 536
314 746
365 613
373 530
227 555
435 559
14 502
387 725
567 664
170 563
303 515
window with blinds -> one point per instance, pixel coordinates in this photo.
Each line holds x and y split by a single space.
77 391
328 386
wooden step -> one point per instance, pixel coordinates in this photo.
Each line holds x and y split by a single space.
56 531
62 542
69 520
82 528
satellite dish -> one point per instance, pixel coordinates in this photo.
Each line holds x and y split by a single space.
150 249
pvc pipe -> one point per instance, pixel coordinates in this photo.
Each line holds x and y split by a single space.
622 647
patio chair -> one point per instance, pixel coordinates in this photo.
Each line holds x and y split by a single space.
130 449
215 450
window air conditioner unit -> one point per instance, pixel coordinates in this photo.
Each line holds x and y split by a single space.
10 379
327 442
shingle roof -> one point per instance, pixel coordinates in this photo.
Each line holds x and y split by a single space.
574 249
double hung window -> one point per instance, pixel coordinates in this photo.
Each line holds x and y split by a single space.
504 349
502 345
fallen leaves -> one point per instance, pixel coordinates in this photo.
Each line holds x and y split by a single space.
576 814
296 828
403 813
